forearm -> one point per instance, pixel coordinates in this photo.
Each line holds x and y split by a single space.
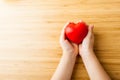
65 68
94 68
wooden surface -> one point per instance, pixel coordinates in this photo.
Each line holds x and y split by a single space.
30 30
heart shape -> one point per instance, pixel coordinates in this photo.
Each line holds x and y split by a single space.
76 32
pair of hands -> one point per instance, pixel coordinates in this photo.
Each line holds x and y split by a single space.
85 50
72 49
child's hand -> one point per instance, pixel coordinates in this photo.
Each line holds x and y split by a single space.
88 42
69 48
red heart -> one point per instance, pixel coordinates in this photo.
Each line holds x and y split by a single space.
76 32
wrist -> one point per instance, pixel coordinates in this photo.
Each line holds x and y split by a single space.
69 56
86 53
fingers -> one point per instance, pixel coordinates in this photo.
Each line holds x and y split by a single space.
80 45
67 43
62 36
75 45
90 30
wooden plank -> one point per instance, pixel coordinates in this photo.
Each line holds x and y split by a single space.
30 28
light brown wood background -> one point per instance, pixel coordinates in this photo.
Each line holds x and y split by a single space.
30 30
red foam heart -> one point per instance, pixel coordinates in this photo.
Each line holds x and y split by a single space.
76 32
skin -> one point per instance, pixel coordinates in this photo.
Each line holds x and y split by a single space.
85 50
93 66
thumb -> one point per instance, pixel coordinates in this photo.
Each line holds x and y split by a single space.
90 30
74 45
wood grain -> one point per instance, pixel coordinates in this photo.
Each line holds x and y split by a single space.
30 30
